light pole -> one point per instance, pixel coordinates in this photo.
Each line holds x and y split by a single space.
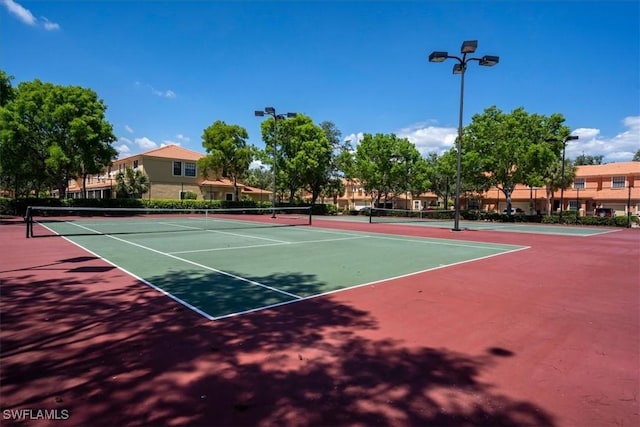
562 180
272 112
629 207
468 46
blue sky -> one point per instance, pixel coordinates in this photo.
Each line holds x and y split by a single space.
167 70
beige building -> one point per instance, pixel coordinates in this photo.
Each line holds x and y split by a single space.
172 171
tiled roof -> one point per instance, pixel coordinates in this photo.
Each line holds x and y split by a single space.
609 169
170 152
248 189
222 182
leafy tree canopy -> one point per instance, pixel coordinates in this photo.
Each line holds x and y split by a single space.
303 152
228 154
387 165
51 133
504 149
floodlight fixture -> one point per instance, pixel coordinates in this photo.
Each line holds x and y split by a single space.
438 56
469 46
489 60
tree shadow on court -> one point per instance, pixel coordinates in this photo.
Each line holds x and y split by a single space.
115 352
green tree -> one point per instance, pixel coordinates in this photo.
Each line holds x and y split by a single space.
636 157
504 149
50 134
442 175
258 178
7 92
131 183
553 180
228 154
333 189
304 154
387 165
584 159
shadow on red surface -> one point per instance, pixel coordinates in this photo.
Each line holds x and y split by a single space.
126 355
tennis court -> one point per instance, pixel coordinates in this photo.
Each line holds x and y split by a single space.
546 336
234 264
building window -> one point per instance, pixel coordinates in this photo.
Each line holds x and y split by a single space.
229 197
618 182
574 205
579 184
177 168
135 164
190 169
416 205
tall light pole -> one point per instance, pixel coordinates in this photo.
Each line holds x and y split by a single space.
468 46
272 112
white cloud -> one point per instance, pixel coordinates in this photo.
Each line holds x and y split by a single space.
19 12
125 140
145 143
429 138
619 148
257 164
164 94
25 15
161 93
183 138
123 149
48 25
128 128
354 138
168 142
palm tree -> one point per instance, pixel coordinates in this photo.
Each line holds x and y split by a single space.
554 180
131 184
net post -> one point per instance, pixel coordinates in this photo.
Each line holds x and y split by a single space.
28 220
310 214
370 215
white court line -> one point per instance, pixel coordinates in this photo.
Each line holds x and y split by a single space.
146 282
365 284
224 232
244 279
268 245
419 239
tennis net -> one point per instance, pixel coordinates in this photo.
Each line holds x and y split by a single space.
406 215
70 221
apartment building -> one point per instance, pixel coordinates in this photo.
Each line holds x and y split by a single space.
612 185
172 171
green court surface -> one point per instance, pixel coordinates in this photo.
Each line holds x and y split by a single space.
513 227
220 273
